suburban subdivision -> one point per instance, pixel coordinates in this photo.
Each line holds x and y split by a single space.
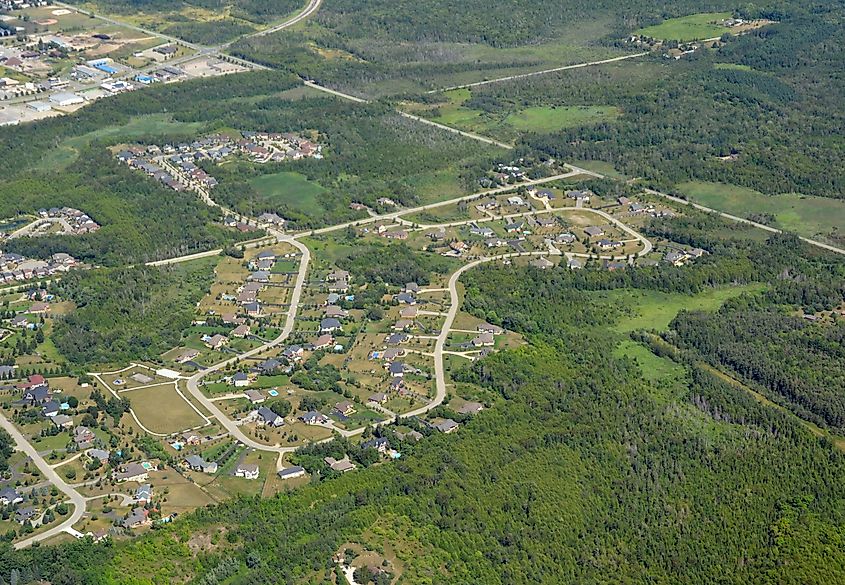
361 293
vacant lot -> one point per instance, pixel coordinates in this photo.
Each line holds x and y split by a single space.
162 410
805 215
549 119
290 189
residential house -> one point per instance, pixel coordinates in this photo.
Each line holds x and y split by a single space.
594 231
137 518
247 471
240 380
323 341
144 493
50 409
62 421
471 408
240 331
542 263
191 438
408 312
197 463
406 298
83 437
10 497
446 426
380 444
574 264
314 418
488 328
330 325
131 472
291 472
255 396
216 341
378 398
269 418
187 355
341 466
346 408
396 369
100 455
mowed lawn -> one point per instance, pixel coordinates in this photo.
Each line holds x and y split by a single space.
161 409
655 310
290 189
805 215
688 28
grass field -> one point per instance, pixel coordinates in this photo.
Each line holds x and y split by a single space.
67 151
290 189
161 409
655 310
551 118
687 28
653 367
805 215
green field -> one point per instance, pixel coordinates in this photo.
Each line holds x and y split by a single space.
67 151
548 119
509 124
654 368
291 189
805 215
162 410
687 28
655 310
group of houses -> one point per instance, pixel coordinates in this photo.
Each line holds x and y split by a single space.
77 222
177 166
18 268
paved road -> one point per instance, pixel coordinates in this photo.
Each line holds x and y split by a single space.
542 72
311 8
76 498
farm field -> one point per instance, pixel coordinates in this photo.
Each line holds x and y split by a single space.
805 215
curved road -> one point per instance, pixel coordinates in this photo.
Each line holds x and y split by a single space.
50 474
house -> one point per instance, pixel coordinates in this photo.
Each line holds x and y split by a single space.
336 275
240 331
408 312
675 258
380 444
144 493
240 380
100 455
330 325
483 340
186 356
260 276
314 418
269 366
323 341
216 341
593 231
566 238
50 409
341 466
293 353
513 227
191 438
255 396
545 194
614 265
411 287
39 308
346 408
402 324
197 463
269 418
131 472
578 195
333 311
266 254
412 434
62 421
253 309
397 338
137 518
488 328
446 426
396 369
516 200
405 298
19 322
609 244
9 497
484 232
83 437
291 472
378 398
574 264
471 408
542 263
247 471
24 515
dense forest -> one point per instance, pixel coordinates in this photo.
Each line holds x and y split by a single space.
126 314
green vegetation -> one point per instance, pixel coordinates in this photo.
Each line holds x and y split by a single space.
289 190
688 28
125 314
808 216
550 119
